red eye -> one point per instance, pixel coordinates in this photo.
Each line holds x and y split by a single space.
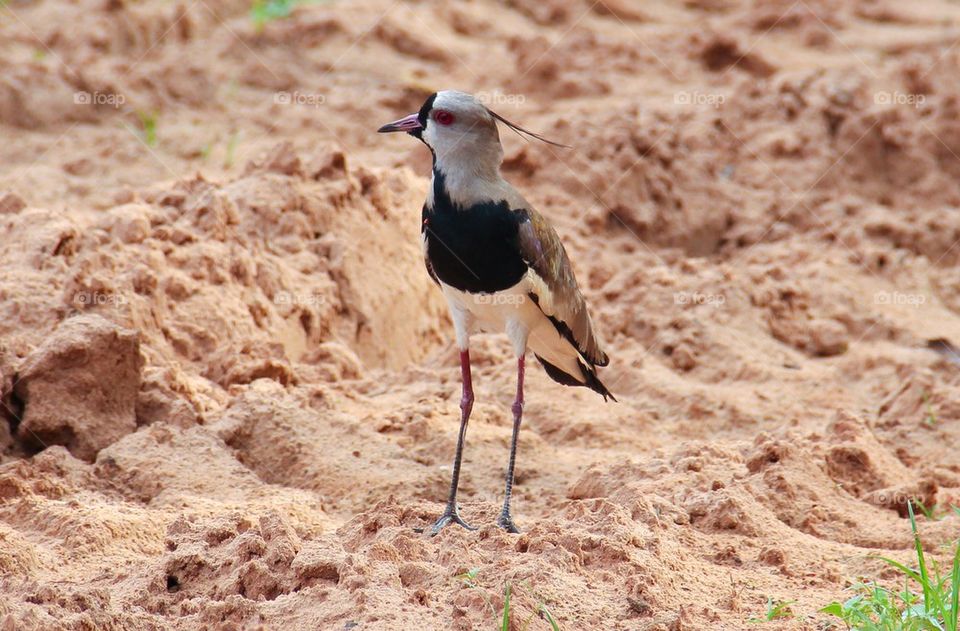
443 117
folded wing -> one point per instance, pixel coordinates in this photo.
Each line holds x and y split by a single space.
555 286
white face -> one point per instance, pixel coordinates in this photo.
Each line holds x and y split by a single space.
458 126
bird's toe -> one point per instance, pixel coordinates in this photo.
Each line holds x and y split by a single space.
449 517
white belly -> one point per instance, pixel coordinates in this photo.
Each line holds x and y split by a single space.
513 312
493 313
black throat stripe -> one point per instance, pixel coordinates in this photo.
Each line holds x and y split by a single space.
423 116
425 109
474 249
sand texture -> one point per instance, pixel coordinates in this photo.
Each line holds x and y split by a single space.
231 391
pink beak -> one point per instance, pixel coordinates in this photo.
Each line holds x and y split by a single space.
407 123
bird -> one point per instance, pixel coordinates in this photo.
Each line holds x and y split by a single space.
500 265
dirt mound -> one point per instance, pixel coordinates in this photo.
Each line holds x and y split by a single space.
79 388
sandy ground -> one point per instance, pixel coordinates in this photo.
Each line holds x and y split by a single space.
230 392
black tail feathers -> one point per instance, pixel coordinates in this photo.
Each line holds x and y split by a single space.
588 378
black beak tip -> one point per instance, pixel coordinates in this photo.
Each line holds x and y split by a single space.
407 124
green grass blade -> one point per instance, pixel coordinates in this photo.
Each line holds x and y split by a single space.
148 124
505 624
546 613
954 610
903 568
929 596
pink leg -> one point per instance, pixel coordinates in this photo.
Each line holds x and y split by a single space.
505 520
451 514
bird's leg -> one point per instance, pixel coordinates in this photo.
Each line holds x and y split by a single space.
505 521
451 514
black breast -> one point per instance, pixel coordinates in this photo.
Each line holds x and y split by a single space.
474 249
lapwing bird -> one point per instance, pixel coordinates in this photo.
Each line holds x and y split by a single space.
499 263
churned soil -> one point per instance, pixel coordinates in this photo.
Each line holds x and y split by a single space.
230 390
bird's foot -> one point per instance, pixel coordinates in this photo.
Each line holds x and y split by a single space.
505 521
450 516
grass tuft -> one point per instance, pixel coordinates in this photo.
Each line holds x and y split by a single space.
148 123
930 418
503 620
935 608
776 610
262 12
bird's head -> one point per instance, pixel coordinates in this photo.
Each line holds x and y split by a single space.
460 131
455 126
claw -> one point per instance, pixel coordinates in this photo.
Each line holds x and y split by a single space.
450 516
506 522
